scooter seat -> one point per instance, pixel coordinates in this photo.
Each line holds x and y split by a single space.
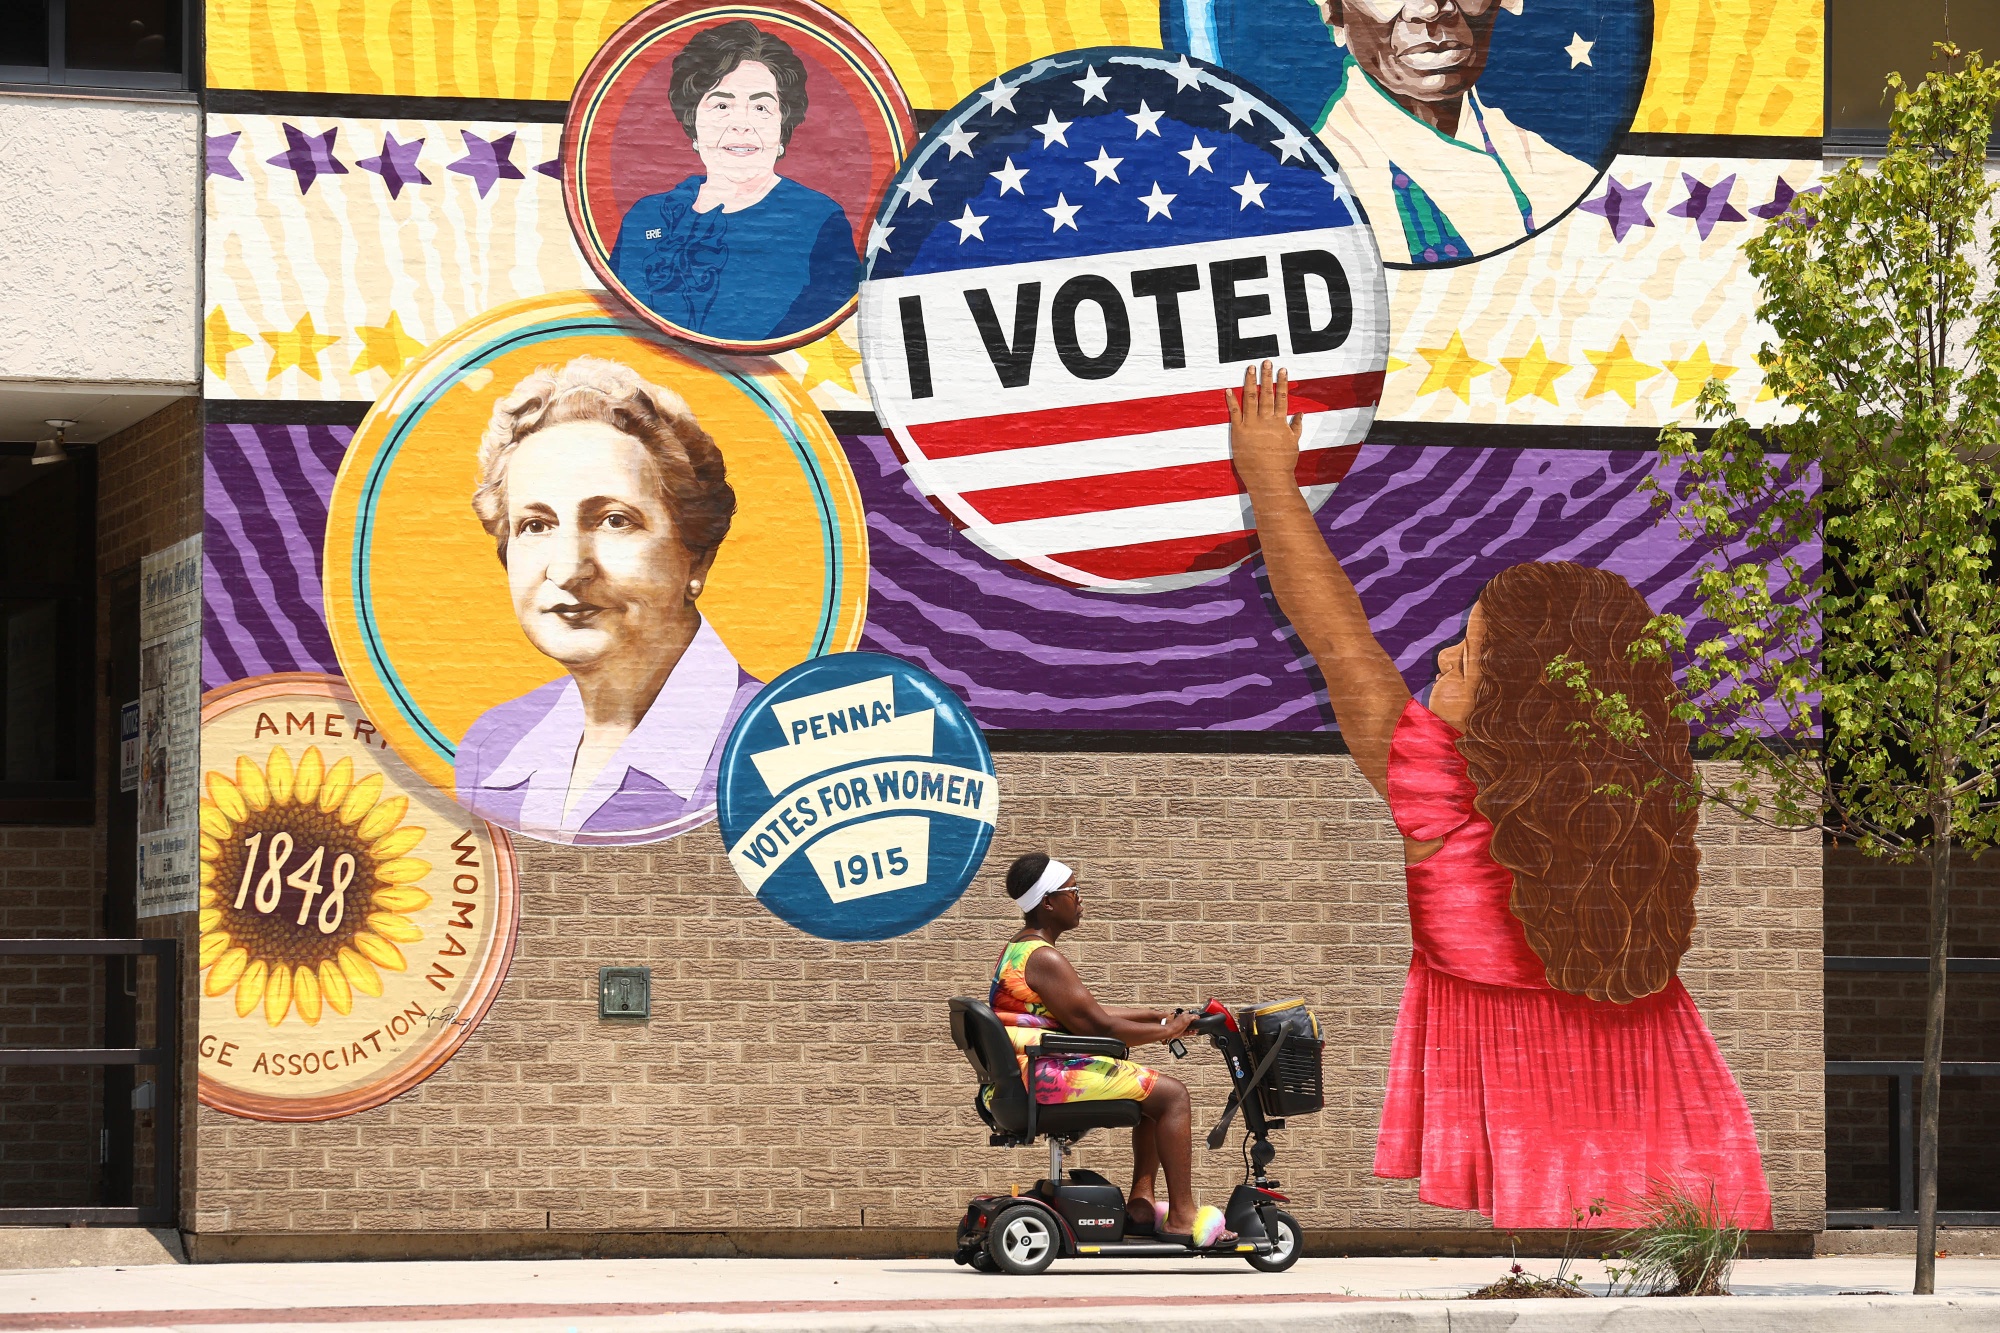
1072 1118
1004 1103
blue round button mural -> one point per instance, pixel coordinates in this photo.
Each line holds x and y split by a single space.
856 797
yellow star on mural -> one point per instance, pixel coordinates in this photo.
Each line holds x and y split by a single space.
1396 363
385 346
220 341
1534 374
301 347
1619 372
1452 367
1690 375
830 360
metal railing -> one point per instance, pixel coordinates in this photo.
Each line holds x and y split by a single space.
162 1056
1903 1105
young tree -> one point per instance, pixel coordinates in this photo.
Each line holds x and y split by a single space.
1848 656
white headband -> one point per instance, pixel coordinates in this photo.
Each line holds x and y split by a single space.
1050 881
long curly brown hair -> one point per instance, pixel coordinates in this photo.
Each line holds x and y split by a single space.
1604 883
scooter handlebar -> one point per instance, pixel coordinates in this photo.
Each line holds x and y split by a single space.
1209 1025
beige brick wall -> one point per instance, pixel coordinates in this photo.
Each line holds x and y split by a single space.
787 1082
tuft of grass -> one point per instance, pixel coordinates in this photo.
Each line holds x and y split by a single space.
1683 1246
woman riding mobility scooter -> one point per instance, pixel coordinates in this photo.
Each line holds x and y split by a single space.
1273 1055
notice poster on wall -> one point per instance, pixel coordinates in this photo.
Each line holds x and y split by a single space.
169 726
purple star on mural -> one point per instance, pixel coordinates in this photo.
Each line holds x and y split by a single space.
552 167
1781 200
397 166
310 156
1623 206
220 149
1707 204
487 161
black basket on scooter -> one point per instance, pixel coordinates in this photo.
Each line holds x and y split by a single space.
1292 1085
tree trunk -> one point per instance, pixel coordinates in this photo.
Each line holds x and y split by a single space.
1927 1117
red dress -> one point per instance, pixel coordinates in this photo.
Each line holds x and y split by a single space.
1519 1101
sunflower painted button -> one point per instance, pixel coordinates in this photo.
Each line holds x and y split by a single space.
355 922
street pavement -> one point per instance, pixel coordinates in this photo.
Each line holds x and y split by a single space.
1407 1295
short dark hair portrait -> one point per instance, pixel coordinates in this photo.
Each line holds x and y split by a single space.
738 231
711 56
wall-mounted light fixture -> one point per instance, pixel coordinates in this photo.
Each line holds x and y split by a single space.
51 450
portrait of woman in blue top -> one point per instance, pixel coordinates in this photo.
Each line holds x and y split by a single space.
740 253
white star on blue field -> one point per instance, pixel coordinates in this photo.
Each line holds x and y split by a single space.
1101 151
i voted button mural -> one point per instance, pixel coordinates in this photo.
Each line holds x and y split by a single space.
1073 265
856 797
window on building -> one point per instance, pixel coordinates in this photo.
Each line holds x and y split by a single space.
1865 39
96 43
48 618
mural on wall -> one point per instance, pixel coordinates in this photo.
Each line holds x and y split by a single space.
563 553
355 923
857 797
1546 1057
720 162
640 470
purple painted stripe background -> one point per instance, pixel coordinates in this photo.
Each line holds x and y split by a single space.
262 609
1420 530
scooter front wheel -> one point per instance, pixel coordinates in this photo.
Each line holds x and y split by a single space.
1023 1241
1285 1238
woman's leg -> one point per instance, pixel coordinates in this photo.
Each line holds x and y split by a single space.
1145 1172
1166 1114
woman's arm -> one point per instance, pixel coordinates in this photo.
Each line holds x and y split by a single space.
1313 591
1050 976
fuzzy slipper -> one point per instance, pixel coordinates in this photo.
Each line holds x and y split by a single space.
1208 1233
1134 1227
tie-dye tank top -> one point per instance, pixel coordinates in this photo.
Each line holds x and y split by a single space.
1068 1078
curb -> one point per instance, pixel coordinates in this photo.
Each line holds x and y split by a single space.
1746 1314
1743 1314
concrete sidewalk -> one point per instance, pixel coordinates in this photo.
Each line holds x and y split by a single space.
1829 1295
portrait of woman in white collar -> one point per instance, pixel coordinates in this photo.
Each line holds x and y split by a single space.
1443 174
607 502
1463 126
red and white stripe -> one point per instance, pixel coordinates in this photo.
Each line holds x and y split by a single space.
1094 498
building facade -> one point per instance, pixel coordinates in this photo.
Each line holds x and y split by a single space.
687 493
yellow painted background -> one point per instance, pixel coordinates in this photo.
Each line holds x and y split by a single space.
1719 66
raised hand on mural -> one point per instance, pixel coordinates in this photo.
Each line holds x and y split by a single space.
1367 692
1263 438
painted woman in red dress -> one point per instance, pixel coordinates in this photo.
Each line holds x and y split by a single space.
1546 1053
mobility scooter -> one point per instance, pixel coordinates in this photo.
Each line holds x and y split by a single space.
1273 1053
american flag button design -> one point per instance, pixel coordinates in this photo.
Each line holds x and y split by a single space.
1066 274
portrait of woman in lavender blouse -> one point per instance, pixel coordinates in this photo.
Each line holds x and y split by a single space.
607 502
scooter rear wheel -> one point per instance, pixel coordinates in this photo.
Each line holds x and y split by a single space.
982 1262
1285 1237
1023 1241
